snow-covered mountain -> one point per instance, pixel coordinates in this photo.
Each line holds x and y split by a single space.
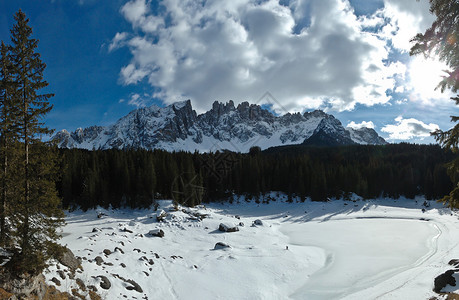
225 126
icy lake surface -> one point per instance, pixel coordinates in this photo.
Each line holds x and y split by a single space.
359 253
378 249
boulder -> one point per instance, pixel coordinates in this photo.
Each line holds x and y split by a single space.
105 283
200 215
221 245
80 284
156 232
126 230
56 281
61 274
441 281
161 215
107 252
68 259
134 286
454 262
225 227
99 260
119 249
258 222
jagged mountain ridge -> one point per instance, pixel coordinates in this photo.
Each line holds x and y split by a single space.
225 126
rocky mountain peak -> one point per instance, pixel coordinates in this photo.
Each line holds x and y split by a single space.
315 114
224 126
330 132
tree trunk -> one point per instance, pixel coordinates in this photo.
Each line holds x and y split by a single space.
25 233
4 194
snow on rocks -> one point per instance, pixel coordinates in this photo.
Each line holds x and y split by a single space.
156 232
161 215
454 262
227 227
104 282
221 245
257 222
68 259
441 281
447 282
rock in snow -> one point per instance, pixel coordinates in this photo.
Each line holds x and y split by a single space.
161 215
69 260
454 262
225 227
105 283
441 281
258 222
221 245
156 232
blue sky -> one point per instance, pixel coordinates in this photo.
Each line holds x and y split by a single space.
105 58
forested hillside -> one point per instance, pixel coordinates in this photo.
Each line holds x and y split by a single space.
136 178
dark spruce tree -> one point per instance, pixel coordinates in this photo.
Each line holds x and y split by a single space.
8 136
36 211
442 40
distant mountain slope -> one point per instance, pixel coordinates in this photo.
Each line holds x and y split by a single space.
178 127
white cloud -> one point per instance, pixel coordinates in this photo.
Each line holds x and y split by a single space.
307 54
406 129
118 41
366 124
138 100
407 18
138 13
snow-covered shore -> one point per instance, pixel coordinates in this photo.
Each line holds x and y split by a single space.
385 249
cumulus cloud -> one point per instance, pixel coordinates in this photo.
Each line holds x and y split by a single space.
366 124
241 49
307 53
138 13
406 129
407 18
397 23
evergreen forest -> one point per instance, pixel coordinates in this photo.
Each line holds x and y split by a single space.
136 178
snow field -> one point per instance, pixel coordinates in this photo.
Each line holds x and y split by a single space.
337 250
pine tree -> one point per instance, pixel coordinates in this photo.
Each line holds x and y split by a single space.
36 212
442 40
7 130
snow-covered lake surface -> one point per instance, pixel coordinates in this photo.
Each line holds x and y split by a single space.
379 249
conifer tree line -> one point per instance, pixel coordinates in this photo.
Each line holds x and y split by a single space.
30 212
135 178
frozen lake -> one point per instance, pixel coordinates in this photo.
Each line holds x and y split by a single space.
380 249
359 253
